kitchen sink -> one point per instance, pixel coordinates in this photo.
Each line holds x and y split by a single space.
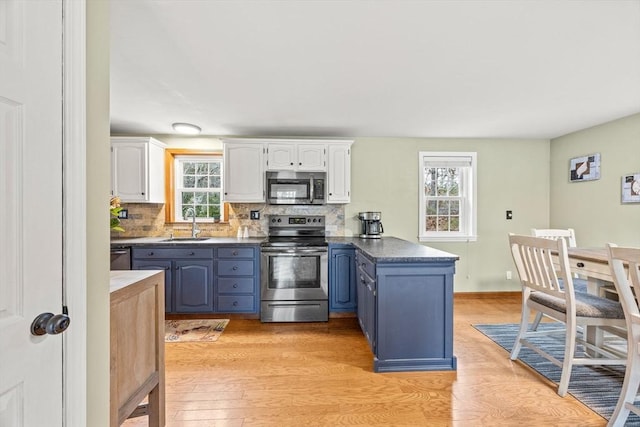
185 239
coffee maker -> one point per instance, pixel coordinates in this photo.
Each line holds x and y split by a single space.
371 225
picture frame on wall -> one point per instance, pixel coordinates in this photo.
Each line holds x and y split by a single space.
584 168
631 188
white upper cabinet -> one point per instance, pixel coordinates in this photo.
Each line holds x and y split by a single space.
296 155
312 157
339 173
245 162
281 156
243 171
137 169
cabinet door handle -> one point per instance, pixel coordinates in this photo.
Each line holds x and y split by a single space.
235 303
142 193
177 268
192 253
149 253
291 163
235 267
235 285
580 264
234 253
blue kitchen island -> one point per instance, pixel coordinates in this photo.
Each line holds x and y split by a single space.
404 303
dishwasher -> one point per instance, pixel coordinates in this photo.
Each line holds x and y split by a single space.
121 258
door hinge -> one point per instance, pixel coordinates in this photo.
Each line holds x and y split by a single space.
65 310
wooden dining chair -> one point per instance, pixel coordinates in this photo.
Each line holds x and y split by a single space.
556 233
542 291
627 285
569 235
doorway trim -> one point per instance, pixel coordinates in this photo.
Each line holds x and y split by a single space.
74 385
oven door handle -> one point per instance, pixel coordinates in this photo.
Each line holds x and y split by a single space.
293 252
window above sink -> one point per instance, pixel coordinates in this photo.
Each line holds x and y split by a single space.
194 180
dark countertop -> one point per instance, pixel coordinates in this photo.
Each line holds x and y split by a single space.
392 249
386 249
155 241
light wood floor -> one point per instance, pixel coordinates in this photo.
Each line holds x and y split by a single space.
321 375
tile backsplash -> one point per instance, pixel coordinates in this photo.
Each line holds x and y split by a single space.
148 220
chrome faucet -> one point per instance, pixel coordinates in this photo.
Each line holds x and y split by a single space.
194 227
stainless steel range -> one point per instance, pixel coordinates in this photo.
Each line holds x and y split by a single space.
294 270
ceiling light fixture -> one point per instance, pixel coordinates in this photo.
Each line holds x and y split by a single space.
186 128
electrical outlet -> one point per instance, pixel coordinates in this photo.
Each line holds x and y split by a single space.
123 214
508 275
509 214
255 214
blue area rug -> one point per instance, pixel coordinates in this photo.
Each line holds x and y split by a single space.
598 387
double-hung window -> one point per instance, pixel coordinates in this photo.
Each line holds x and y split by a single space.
198 186
447 196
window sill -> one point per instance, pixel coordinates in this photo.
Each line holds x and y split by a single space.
197 222
452 239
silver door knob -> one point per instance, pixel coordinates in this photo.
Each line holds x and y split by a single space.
48 323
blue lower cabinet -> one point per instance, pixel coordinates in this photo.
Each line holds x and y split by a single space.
237 279
194 286
138 264
342 279
189 275
205 279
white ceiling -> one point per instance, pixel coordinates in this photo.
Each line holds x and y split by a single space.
403 68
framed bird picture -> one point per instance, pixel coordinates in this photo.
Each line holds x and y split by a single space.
631 188
585 168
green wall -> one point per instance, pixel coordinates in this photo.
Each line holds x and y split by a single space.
593 208
512 175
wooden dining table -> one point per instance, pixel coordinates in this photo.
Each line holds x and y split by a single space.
593 264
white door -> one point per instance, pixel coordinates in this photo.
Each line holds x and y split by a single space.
30 210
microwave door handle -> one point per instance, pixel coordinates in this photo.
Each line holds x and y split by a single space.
311 189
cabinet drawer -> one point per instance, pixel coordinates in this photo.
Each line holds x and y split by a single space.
365 264
153 253
235 252
233 285
234 268
227 303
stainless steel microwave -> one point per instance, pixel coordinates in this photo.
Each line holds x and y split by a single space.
296 188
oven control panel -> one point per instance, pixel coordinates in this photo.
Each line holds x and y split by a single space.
276 221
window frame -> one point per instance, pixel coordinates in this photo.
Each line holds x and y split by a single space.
468 192
170 155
